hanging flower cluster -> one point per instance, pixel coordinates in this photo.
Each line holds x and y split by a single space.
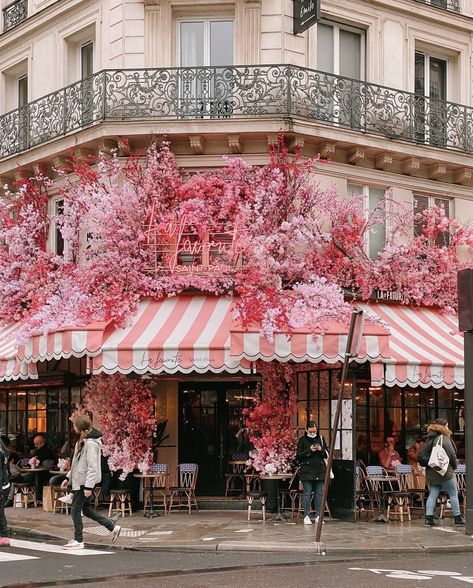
125 411
269 421
297 247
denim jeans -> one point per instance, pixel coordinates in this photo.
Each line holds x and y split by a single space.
448 486
310 486
80 504
3 518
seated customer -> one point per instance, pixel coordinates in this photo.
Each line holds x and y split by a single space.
389 457
46 460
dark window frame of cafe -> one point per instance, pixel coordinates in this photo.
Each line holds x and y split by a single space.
305 14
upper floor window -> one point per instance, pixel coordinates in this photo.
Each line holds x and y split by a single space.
423 202
86 60
205 42
58 239
374 203
340 50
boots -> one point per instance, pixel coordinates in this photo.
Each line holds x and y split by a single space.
459 520
429 520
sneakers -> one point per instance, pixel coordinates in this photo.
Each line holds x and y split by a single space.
116 532
429 520
4 542
307 521
67 499
317 520
73 544
459 520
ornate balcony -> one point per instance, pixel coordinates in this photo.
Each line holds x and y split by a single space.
242 92
450 5
14 14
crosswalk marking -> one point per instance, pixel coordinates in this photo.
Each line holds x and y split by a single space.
55 548
7 556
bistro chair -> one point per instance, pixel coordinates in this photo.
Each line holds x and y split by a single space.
289 495
398 501
58 505
160 486
235 477
460 474
184 491
374 486
261 497
27 493
364 499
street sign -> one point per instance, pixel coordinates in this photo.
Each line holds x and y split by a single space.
305 14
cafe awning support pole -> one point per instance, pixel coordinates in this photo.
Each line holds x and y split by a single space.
353 345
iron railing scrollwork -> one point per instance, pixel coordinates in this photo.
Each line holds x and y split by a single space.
14 14
450 5
243 92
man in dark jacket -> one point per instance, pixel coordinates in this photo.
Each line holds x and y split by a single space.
311 454
437 432
4 488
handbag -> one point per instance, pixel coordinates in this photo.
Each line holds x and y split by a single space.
439 459
332 475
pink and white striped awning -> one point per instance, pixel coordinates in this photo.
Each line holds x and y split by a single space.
11 367
426 348
186 333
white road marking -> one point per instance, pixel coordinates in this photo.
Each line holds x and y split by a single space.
18 543
438 573
5 556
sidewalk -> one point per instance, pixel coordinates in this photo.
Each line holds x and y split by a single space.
230 531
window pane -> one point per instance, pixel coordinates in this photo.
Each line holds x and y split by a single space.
354 190
325 47
421 203
419 82
438 78
221 42
87 60
58 238
350 54
377 237
22 91
192 44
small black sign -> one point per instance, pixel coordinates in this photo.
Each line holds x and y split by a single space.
305 13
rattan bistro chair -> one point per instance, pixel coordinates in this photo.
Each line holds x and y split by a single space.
160 486
183 494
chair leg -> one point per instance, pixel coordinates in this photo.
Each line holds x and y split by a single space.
263 508
250 501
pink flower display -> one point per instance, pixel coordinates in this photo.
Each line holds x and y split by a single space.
269 421
124 409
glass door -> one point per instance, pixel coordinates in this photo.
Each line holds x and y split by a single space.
430 86
210 416
205 47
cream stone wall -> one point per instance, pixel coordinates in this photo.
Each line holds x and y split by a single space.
166 407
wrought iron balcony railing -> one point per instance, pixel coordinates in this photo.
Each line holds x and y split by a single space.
14 14
450 5
240 92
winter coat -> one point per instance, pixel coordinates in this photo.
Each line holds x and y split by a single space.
4 469
312 463
86 469
434 434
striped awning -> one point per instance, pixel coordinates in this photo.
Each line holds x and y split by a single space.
11 366
302 346
186 333
426 348
64 343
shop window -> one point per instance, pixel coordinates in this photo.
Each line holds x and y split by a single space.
424 202
374 201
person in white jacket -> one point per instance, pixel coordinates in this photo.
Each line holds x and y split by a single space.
84 475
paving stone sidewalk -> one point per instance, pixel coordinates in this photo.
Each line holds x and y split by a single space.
230 531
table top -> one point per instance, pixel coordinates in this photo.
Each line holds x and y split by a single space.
151 475
59 471
34 469
276 477
382 478
237 462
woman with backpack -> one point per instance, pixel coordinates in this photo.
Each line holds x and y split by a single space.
439 433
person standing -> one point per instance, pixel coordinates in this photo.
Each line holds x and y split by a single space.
311 454
5 487
438 432
84 475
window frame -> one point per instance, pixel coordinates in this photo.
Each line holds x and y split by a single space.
207 35
431 202
337 26
365 192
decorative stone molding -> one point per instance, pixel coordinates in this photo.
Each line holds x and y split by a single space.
197 144
411 166
355 155
463 176
234 143
437 171
251 32
273 138
327 150
383 161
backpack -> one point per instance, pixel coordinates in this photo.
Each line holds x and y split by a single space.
423 455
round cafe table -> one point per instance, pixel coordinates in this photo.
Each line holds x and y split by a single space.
151 512
36 472
273 484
